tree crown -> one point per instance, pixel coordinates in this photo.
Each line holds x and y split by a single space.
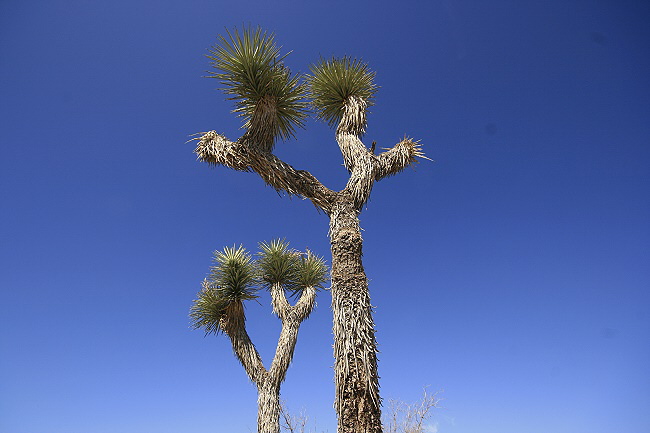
236 278
274 102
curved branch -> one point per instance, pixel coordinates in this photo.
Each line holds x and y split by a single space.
279 302
294 313
291 316
366 168
305 304
239 155
398 158
353 150
361 165
244 349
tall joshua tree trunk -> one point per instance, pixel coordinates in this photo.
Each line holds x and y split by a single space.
341 90
355 348
358 403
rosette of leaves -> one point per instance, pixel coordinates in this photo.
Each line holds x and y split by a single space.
277 264
233 280
266 94
293 270
311 271
342 88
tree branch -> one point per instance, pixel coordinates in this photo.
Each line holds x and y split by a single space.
352 149
398 158
216 149
244 349
365 168
291 316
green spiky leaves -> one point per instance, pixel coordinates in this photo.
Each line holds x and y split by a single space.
209 310
231 282
292 269
311 271
236 278
267 96
273 102
234 274
342 90
277 263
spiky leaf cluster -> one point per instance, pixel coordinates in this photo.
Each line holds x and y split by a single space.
335 83
295 271
236 278
277 263
266 95
232 280
311 271
209 310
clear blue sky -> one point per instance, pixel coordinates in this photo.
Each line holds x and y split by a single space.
512 272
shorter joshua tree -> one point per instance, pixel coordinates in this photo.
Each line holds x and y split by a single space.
220 309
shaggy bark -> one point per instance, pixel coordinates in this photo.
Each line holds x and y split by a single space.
269 381
244 349
357 402
355 349
292 317
216 149
268 408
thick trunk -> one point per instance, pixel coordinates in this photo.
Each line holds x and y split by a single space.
268 408
355 349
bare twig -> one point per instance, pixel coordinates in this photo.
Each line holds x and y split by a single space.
410 418
293 423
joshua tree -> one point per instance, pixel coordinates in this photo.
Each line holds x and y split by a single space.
220 309
273 102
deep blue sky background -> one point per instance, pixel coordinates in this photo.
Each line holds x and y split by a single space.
512 272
